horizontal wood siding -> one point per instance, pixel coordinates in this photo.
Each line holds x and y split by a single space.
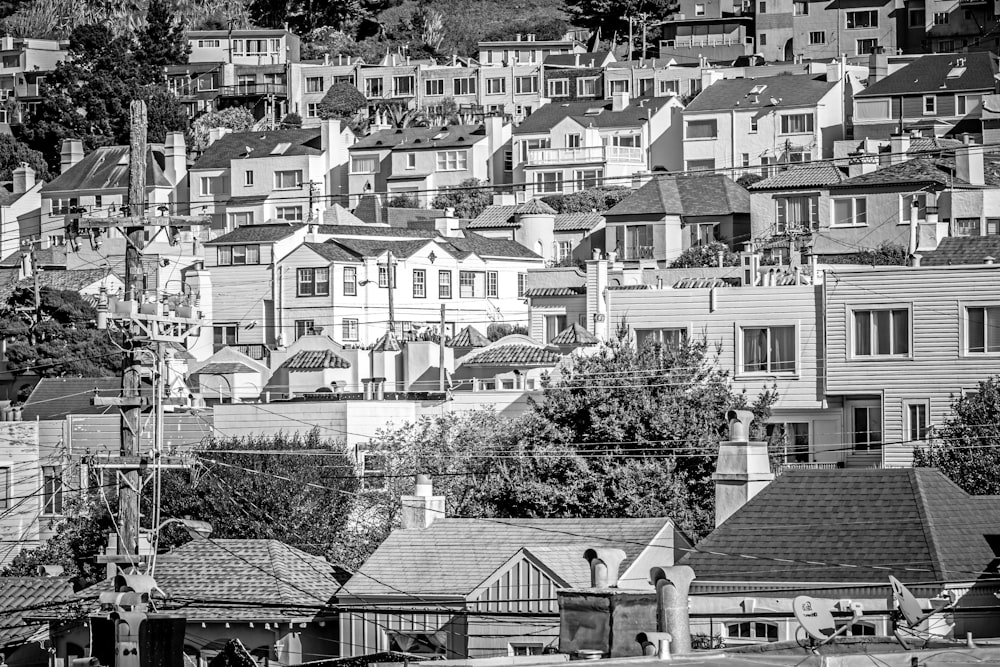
937 369
100 434
238 296
735 307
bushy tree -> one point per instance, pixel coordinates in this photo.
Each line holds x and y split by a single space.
162 42
705 256
13 153
611 16
748 179
290 121
966 447
403 201
497 330
598 199
469 198
342 101
237 119
886 254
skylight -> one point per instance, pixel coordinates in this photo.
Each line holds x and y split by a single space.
956 72
281 148
595 111
758 89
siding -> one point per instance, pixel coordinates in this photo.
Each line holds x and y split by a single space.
238 296
937 370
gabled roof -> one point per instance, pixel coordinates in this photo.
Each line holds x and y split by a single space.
338 231
415 138
573 222
387 343
469 337
504 216
775 92
957 250
332 252
574 334
224 368
57 279
54 398
486 247
595 113
338 215
257 234
709 195
592 60
26 597
315 360
106 169
492 217
454 556
234 146
912 523
377 247
923 170
811 175
535 207
47 258
930 74
514 355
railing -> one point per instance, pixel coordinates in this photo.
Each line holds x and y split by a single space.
251 89
691 42
972 2
639 252
620 154
256 351
814 465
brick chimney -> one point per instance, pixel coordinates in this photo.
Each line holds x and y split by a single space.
422 508
72 152
742 469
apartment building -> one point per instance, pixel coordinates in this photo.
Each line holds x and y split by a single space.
24 63
525 50
575 76
255 46
394 79
309 82
791 29
719 31
456 83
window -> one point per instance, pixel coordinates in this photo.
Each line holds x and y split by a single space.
492 285
229 255
304 328
798 123
866 426
522 281
402 86
350 281
882 333
52 490
553 325
586 86
496 86
549 181
419 284
525 649
797 213
850 211
817 37
940 18
364 164
793 440
668 339
858 629
701 165
917 18
373 88
621 86
467 284
699 9
564 250
700 129
762 7
212 185
383 276
945 46
588 178
452 160
992 226
287 180
62 206
411 160
759 630
559 88
573 140
745 159
526 84
313 282
208 44
906 205
965 104
753 124
930 105
769 349
434 87
916 420
224 334
762 39
349 328
240 219
966 227
865 47
533 144
982 330
866 18
800 8
444 284
288 213
248 178
314 84
4 488
465 86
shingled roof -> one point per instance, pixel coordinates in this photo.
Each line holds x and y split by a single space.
504 216
106 168
26 597
779 92
920 170
469 337
256 234
414 138
264 144
956 250
912 523
514 355
54 398
224 368
596 113
709 195
315 360
811 175
930 74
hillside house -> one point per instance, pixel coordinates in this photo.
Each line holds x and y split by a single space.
557 237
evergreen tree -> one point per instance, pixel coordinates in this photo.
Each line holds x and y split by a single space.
162 43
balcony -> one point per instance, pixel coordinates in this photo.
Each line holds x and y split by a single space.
638 252
254 90
591 154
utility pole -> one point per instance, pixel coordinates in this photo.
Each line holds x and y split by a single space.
312 192
628 54
441 377
392 286
643 18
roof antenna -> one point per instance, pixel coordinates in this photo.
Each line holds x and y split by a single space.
817 621
911 615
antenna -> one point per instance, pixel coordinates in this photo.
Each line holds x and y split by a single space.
912 613
817 620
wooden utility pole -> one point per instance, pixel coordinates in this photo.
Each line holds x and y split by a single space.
441 377
392 286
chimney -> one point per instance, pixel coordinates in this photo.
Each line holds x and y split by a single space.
899 146
834 71
597 285
504 199
72 152
605 564
326 58
672 586
750 264
423 507
24 178
743 468
861 162
619 101
175 158
969 164
576 60
448 226
216 133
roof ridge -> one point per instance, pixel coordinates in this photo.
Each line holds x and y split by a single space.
922 502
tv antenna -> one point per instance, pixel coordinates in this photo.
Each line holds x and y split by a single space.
817 620
911 618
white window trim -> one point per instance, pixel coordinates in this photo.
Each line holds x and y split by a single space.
901 305
586 80
763 324
963 327
854 211
790 115
904 213
926 402
550 85
701 120
923 105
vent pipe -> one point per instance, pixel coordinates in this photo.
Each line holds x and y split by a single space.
605 564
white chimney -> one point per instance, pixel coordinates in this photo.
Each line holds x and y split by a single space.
899 146
174 158
619 101
72 152
969 164
422 508
834 71
743 468
448 226
24 178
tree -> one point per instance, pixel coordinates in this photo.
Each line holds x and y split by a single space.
543 28
598 199
611 16
748 179
706 256
342 101
237 119
966 447
469 198
886 254
162 42
403 201
13 153
290 121
497 330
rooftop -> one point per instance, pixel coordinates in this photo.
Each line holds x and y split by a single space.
21 595
469 337
957 250
938 73
514 355
595 113
413 138
500 216
588 60
781 92
106 168
257 234
271 143
224 368
54 398
574 334
709 195
926 170
811 175
315 360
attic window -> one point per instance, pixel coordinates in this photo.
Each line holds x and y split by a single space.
281 148
758 89
957 72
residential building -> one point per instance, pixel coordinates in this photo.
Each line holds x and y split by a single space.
512 90
249 178
20 595
656 77
263 89
670 214
198 85
575 76
393 79
714 30
456 83
512 363
24 63
20 209
443 576
573 146
557 298
309 82
738 124
526 50
791 29
939 93
557 237
255 46
421 161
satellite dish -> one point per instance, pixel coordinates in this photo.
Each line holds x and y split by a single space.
908 605
814 618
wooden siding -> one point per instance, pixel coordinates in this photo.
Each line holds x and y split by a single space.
937 369
522 587
238 296
364 631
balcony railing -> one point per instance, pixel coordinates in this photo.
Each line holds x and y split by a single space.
638 252
598 154
254 89
256 351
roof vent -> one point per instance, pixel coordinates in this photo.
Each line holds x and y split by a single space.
418 140
378 142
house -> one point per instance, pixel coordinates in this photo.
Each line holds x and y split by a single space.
557 237
934 92
228 374
456 83
512 90
198 85
670 214
557 297
265 593
24 63
656 77
248 178
311 80
314 364
718 32
569 146
20 209
442 577
21 640
255 46
513 363
391 80
526 50
787 30
88 283
575 76
742 123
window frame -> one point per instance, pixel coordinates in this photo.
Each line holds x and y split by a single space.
586 86
924 107
964 327
433 87
854 211
467 279
442 274
469 85
279 175
699 122
871 13
364 158
752 626
552 84
740 370
5 485
281 211
526 85
853 311
311 82
781 202
422 283
403 78
352 282
492 284
492 82
786 122
642 334
452 160
53 498
908 426
522 284
308 284
821 37
347 326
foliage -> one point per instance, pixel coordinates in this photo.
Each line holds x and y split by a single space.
966 447
342 101
292 120
611 16
162 42
705 256
469 198
13 153
748 179
403 201
598 199
237 119
543 28
497 330
65 343
887 254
